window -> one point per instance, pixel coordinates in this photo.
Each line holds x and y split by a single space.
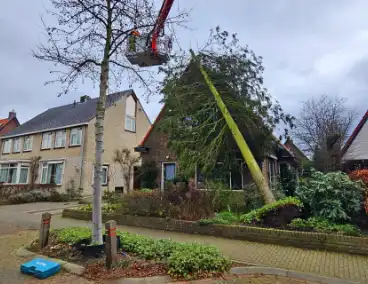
60 137
23 176
7 146
8 173
129 123
168 173
16 145
130 114
51 173
272 171
104 176
46 140
76 136
27 143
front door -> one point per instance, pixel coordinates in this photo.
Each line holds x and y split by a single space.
168 173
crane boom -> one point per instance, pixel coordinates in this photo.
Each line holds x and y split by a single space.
162 16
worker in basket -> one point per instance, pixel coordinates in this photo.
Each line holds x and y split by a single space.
133 40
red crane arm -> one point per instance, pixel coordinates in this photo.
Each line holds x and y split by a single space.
162 16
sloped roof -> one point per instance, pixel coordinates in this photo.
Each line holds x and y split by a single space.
67 115
3 122
355 133
145 138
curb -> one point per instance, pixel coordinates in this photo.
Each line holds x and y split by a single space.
290 273
69 267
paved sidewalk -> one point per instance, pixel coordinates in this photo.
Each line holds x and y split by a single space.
345 266
9 262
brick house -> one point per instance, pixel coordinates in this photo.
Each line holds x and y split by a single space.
64 139
153 148
8 124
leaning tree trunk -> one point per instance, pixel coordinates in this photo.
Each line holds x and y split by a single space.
99 136
252 164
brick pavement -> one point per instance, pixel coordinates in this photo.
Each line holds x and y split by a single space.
11 239
331 264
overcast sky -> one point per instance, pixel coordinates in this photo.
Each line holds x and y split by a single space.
309 48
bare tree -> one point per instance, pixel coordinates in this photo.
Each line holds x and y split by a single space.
127 161
321 130
88 42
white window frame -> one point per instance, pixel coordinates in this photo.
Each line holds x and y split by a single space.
131 126
163 172
18 144
60 137
76 131
106 181
18 166
49 140
7 144
26 144
46 164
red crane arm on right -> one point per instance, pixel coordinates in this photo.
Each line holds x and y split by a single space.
162 16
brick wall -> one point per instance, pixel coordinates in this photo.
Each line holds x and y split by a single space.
9 126
310 240
158 151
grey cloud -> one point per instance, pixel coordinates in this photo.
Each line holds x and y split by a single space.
309 48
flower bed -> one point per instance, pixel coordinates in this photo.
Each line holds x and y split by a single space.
157 257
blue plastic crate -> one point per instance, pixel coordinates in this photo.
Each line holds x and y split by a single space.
40 268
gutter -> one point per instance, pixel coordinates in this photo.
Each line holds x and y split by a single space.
43 130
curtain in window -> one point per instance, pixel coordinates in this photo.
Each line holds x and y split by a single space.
3 175
13 175
58 171
44 175
23 175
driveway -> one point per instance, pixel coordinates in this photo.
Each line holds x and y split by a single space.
28 216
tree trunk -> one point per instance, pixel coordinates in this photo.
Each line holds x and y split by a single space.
252 164
99 136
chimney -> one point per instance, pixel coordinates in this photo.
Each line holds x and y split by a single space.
12 114
84 98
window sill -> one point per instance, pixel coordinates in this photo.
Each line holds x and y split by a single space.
6 153
43 149
59 147
127 130
16 152
77 145
27 150
50 184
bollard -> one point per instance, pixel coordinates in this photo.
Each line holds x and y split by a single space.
45 229
111 249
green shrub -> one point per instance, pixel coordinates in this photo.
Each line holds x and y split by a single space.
184 260
257 215
252 198
224 218
332 196
323 225
190 259
146 190
72 234
288 180
147 174
106 208
110 196
150 204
